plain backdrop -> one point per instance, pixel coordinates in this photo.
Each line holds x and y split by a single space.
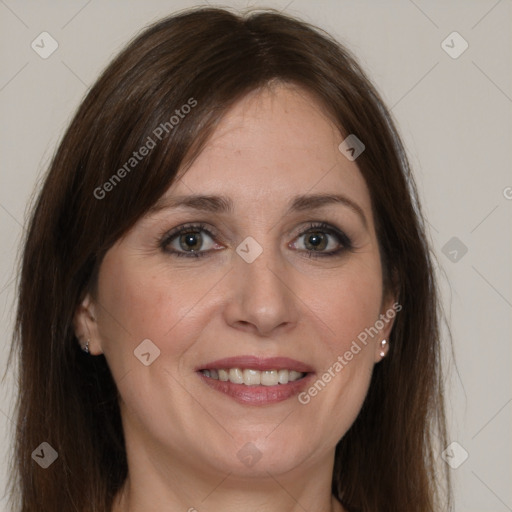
454 115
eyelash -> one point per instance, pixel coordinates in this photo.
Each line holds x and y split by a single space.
342 238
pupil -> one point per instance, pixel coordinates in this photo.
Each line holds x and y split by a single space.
316 240
191 241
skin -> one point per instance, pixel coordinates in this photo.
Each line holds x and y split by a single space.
182 436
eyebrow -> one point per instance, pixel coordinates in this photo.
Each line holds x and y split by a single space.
222 204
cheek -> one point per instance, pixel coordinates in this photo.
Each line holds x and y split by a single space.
133 306
138 302
350 307
352 304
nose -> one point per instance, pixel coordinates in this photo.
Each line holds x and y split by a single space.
262 299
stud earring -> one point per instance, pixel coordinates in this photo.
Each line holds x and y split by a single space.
85 347
382 345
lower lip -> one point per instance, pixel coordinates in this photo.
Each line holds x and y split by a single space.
258 395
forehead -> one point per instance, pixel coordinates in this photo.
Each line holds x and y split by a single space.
272 145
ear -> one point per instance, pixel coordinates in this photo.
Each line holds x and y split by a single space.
389 309
86 326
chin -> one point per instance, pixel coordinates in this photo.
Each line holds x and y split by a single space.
259 457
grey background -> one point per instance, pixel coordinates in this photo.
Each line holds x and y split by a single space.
454 116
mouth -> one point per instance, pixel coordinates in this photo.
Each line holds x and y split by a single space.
253 381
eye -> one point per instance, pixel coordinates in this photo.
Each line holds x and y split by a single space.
322 240
191 240
195 240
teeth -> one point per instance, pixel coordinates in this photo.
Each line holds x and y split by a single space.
223 375
251 377
269 377
283 376
236 376
294 375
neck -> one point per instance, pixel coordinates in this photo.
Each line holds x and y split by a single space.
225 496
158 483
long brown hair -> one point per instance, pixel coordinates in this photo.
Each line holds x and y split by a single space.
211 58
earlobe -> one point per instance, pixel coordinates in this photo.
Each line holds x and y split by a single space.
390 309
85 326
383 348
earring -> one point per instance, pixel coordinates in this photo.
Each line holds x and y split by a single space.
85 347
382 345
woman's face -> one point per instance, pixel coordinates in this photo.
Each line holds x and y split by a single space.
266 285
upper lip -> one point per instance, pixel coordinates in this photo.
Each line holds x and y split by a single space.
258 363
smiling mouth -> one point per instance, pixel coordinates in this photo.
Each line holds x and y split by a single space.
252 377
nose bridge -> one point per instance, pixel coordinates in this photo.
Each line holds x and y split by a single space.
261 274
262 296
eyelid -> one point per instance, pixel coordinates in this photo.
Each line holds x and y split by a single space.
189 226
327 228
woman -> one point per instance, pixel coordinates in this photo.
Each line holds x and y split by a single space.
226 299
